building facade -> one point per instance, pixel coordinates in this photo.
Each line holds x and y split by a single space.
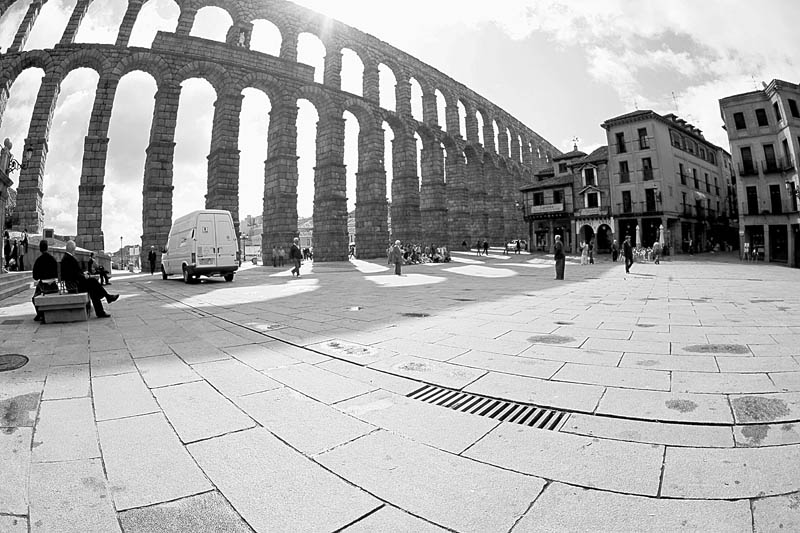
764 133
666 177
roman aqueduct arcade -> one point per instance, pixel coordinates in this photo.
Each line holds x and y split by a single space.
466 191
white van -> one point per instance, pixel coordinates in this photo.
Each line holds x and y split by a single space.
202 243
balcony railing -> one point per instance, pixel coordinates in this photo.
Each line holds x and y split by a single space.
624 177
638 208
644 143
772 166
683 177
601 211
748 168
647 174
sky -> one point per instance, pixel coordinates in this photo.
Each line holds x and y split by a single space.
561 67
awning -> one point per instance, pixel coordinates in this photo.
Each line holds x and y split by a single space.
700 196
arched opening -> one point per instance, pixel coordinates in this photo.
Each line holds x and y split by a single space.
10 22
311 51
307 118
416 99
70 125
441 110
128 134
211 23
101 22
508 143
444 162
265 38
479 117
462 119
586 234
388 164
253 129
418 148
351 132
155 16
496 137
49 26
605 235
521 149
352 72
387 83
192 145
17 115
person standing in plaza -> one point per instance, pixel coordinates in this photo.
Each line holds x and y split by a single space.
296 255
558 249
274 257
614 251
151 258
627 251
657 253
584 254
396 257
591 252
485 247
282 256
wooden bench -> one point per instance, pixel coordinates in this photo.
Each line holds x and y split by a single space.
63 307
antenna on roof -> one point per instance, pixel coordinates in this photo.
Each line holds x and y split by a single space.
575 141
675 101
755 83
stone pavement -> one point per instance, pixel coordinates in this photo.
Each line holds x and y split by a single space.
281 404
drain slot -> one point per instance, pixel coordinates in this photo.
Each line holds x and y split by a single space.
502 410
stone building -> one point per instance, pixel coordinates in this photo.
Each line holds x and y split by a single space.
764 132
665 174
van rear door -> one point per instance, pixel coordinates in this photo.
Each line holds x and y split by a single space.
206 242
226 240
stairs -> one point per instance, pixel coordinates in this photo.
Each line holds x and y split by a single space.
13 283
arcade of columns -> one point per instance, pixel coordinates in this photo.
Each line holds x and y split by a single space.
475 201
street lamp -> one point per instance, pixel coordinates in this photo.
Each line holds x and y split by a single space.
14 165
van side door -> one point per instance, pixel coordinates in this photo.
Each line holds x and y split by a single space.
206 241
226 240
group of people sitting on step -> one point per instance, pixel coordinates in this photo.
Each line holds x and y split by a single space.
75 280
414 253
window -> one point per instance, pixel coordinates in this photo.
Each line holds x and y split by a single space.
793 108
624 173
738 120
621 143
793 195
647 169
676 139
770 163
682 173
650 200
691 147
713 159
683 202
716 185
777 111
562 168
558 196
627 207
643 145
592 199
538 198
589 177
708 183
694 177
761 117
752 200
775 198
702 153
748 169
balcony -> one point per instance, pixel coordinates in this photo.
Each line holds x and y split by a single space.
644 143
772 166
638 209
624 177
647 174
602 211
748 168
683 177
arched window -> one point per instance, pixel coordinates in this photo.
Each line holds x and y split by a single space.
211 23
265 38
311 51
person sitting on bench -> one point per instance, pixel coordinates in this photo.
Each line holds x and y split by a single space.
99 270
45 272
76 281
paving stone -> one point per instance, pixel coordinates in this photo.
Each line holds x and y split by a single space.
731 473
586 461
627 346
632 378
419 421
112 362
779 513
389 518
121 395
721 383
197 352
699 363
726 349
372 377
428 371
234 378
66 382
418 348
13 524
71 497
764 408
261 356
666 406
164 370
782 364
565 508
573 355
350 351
146 463
300 354
555 394
19 402
197 411
140 348
508 347
317 383
65 431
510 364
204 513
459 494
786 381
15 459
303 423
754 435
275 488
73 354
649 432
578 332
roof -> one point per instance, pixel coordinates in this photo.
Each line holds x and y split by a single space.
561 180
570 155
598 156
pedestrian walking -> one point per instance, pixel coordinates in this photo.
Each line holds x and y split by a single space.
485 247
296 255
591 252
560 258
627 251
614 251
274 257
584 254
517 247
151 258
657 253
282 255
396 257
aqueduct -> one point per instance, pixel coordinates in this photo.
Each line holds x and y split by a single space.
466 191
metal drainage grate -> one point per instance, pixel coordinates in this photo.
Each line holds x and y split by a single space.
505 411
12 361
12 322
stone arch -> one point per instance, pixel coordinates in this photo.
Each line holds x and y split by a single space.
214 6
363 113
34 59
213 73
319 98
254 32
233 9
312 39
152 64
263 82
85 58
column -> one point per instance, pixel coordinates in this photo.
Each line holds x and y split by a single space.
128 21
332 77
430 113
331 239
479 219
29 191
515 148
78 12
93 171
157 187
223 160
472 127
289 44
26 25
405 188
280 177
371 83
767 254
432 198
502 142
402 92
494 209
488 136
453 121
372 209
186 20
458 220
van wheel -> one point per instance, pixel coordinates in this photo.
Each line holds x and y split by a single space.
187 278
163 273
228 277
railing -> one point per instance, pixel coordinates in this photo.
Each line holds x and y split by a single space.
644 143
647 174
683 177
593 211
773 166
638 208
748 168
624 177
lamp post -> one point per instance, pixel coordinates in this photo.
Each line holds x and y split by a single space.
120 252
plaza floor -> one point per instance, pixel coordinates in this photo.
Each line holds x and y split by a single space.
667 399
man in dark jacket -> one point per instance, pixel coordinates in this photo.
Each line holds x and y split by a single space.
151 258
296 255
45 272
627 251
76 281
558 253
